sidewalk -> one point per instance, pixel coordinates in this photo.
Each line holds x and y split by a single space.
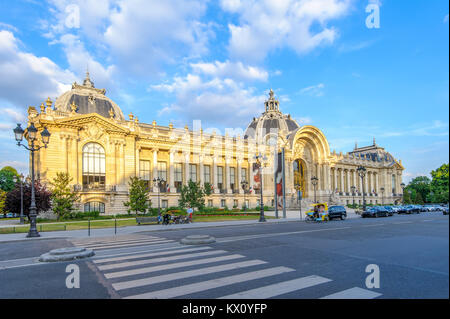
291 216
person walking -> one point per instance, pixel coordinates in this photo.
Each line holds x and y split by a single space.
190 210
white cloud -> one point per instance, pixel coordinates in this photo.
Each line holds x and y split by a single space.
211 96
268 25
229 69
446 18
303 120
314 90
27 79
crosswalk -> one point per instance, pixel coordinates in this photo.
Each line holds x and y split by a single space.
181 271
119 242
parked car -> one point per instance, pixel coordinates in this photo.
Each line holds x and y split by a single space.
402 209
445 211
390 210
395 208
410 209
337 212
377 211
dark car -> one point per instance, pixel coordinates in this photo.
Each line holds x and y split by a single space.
337 212
390 210
409 209
378 211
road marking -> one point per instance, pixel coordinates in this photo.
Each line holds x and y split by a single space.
109 239
173 250
145 270
279 288
373 225
353 293
129 241
157 260
210 284
129 245
115 241
398 223
185 274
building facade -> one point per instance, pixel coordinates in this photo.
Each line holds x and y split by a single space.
101 150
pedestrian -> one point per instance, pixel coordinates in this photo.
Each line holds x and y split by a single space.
190 210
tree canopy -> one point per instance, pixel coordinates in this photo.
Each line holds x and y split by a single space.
7 174
192 195
63 196
439 184
42 198
138 196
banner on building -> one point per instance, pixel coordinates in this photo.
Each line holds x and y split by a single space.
279 181
256 177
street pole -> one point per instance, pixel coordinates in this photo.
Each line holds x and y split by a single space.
362 172
284 184
260 160
21 199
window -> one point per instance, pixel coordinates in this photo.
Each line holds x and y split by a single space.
162 174
235 203
232 177
193 172
164 203
222 203
178 176
94 207
244 174
220 177
246 204
207 173
393 184
210 203
93 166
144 171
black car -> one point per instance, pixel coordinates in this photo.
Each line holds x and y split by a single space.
337 212
378 211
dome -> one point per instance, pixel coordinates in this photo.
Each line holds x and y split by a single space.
88 99
271 121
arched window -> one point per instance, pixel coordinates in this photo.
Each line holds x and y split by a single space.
93 166
94 207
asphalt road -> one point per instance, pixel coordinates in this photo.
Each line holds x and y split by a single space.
286 260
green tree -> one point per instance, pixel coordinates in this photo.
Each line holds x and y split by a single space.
207 189
419 187
7 174
3 202
192 195
63 197
406 197
138 196
439 184
418 199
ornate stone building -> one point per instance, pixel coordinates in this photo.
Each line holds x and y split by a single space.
101 150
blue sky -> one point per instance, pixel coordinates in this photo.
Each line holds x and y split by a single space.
176 61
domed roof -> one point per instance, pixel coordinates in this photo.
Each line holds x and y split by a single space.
271 121
88 99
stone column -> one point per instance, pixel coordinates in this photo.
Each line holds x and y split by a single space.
251 182
171 172
214 174
227 174
137 168
239 175
186 156
155 167
348 181
201 170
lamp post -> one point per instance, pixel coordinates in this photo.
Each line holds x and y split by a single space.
362 173
157 182
353 188
244 185
32 138
19 179
261 160
298 188
382 195
314 181
402 185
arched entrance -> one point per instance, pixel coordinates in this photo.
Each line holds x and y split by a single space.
299 167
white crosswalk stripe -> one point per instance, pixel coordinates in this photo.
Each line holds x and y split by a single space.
166 251
353 293
120 242
185 274
161 259
210 284
279 288
134 276
170 266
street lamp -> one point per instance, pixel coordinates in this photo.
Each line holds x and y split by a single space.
261 160
298 188
32 138
402 185
353 188
382 195
314 181
158 182
362 173
19 179
244 185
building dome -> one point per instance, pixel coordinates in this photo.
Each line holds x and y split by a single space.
88 99
271 121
